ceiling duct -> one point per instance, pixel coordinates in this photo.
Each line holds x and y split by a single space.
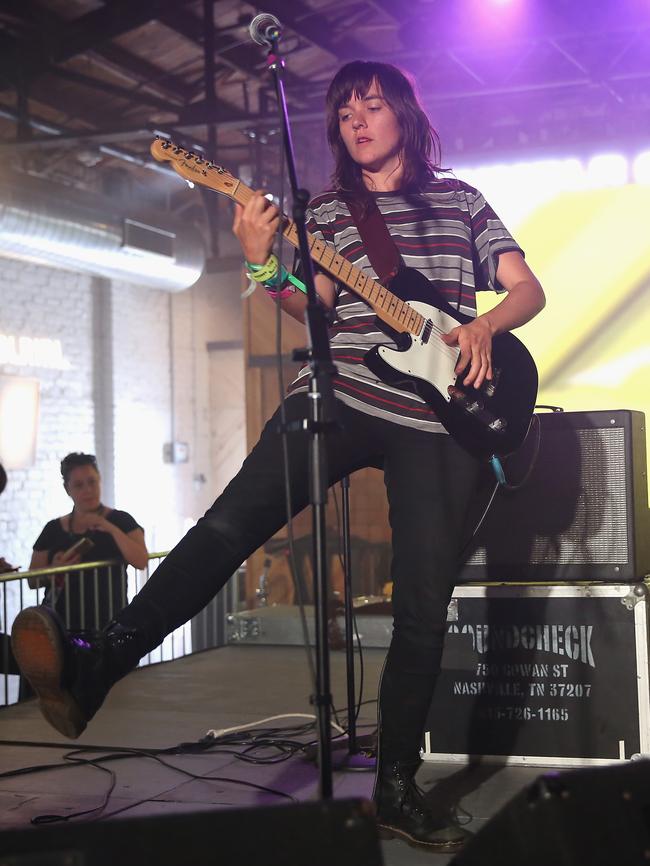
64 228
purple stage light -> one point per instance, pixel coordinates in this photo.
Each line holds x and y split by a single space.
501 19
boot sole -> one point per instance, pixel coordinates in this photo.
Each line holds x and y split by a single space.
387 832
39 648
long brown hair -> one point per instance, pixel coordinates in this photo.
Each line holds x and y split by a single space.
420 142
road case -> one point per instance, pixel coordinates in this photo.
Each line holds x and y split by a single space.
543 675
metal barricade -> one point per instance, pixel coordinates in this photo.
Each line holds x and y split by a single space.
88 596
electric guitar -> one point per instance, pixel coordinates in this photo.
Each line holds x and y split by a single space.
490 420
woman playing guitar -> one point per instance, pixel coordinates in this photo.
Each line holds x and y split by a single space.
446 232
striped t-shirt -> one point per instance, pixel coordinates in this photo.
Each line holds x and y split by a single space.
451 235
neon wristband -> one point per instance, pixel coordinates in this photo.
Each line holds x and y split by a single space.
267 271
277 281
268 275
297 283
281 294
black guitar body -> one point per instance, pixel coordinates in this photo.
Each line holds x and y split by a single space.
491 420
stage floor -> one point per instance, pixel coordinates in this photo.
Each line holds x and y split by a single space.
166 704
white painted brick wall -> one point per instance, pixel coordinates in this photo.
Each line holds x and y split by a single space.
144 484
42 302
36 301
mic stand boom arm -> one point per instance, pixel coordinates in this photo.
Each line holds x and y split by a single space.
322 418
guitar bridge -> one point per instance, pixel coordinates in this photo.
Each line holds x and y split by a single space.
477 410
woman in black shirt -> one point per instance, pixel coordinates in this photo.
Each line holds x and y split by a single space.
114 535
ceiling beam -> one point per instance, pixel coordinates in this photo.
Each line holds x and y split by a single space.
387 8
246 58
192 28
80 137
302 20
66 39
34 54
58 134
207 111
152 77
135 96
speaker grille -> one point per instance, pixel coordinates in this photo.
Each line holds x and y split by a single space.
602 508
576 510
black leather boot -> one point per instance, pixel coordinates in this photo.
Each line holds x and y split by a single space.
403 813
71 672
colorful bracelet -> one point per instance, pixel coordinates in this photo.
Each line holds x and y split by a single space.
297 283
278 280
282 294
272 275
264 273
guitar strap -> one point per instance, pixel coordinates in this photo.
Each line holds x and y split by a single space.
378 244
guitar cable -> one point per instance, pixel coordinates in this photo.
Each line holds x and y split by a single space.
535 422
502 481
479 523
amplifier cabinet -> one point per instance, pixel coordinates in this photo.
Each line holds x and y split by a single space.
543 675
582 514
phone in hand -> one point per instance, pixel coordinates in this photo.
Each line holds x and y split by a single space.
80 548
6 567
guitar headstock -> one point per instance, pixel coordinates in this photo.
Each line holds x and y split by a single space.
193 167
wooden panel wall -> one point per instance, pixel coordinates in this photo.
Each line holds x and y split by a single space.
368 509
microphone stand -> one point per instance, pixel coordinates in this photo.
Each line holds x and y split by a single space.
322 418
358 756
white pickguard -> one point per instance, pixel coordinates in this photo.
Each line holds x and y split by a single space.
433 361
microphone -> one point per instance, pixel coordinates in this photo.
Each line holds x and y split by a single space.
264 28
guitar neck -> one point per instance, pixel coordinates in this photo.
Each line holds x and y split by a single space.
390 309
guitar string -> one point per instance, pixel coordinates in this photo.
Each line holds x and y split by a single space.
244 193
322 248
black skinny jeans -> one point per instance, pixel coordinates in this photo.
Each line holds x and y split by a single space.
429 481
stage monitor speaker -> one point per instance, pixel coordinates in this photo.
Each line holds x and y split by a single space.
598 816
320 834
582 514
